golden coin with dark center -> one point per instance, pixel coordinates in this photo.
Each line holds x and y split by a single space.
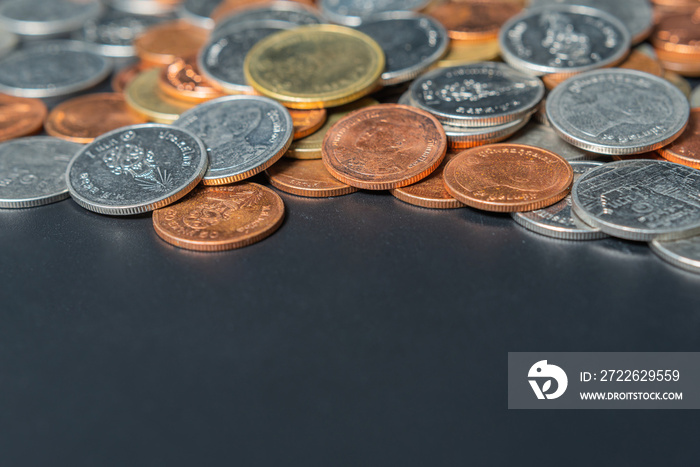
430 192
306 178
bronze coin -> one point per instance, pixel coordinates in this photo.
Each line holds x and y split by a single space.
384 146
124 76
306 178
679 34
508 178
163 43
84 118
217 218
307 122
182 80
430 192
686 149
474 20
645 155
20 116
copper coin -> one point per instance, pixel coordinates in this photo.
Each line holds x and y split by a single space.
679 34
306 178
182 80
163 43
474 20
123 77
653 155
686 149
384 146
508 178
217 218
84 118
430 192
307 122
20 116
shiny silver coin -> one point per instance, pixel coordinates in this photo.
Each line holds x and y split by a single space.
695 98
411 43
617 111
684 253
8 42
640 200
563 39
46 18
198 12
287 11
33 171
49 69
354 12
243 135
477 95
136 169
636 15
544 137
557 221
143 7
221 60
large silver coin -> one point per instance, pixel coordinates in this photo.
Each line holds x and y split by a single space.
640 200
136 169
411 43
143 7
33 171
198 12
563 39
543 137
287 11
477 95
557 221
354 12
695 98
684 253
48 69
8 42
244 135
636 15
617 111
46 18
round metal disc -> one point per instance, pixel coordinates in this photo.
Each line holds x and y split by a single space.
354 12
46 18
287 11
544 137
684 253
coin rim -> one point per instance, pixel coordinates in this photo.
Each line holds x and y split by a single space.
682 262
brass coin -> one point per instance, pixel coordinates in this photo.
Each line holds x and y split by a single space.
306 178
313 67
145 98
463 52
686 149
217 218
430 192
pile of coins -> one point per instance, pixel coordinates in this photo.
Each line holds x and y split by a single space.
223 90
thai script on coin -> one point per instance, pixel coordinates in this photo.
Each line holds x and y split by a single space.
354 12
684 253
46 18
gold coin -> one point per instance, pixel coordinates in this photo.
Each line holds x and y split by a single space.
145 98
461 53
314 67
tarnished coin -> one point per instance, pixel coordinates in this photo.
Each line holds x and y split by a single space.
162 44
145 98
411 43
684 253
617 111
477 95
307 122
313 67
33 171
563 39
544 137
354 12
286 11
20 116
306 178
686 149
48 69
244 135
84 118
198 12
42 18
640 200
557 221
508 178
221 218
182 80
474 20
430 192
8 42
384 146
136 169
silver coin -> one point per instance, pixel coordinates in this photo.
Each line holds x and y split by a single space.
617 111
543 137
684 253
136 169
8 42
477 95
563 39
557 221
287 11
354 12
695 98
198 12
243 135
221 60
55 68
636 15
411 43
33 171
46 18
143 7
640 200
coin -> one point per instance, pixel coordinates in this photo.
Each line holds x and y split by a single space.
33 171
695 98
8 42
20 116
52 68
429 192
684 253
228 8
136 169
544 137
286 11
474 20
477 95
145 7
84 118
640 200
198 12
679 82
221 218
307 122
677 37
162 44
462 53
306 178
41 18
124 76
411 43
653 155
384 146
244 135
563 39
144 97
508 178
686 149
182 80
315 66
557 220
354 12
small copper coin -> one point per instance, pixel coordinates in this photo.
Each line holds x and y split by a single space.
84 118
679 34
508 178
163 43
182 80
306 178
384 146
217 218
686 149
307 122
20 116
430 192
123 77
474 20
